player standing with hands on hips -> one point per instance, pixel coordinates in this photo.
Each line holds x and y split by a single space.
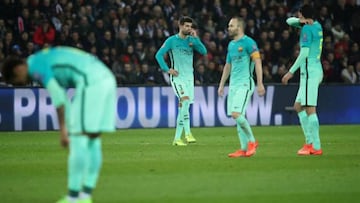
180 48
243 54
91 112
311 74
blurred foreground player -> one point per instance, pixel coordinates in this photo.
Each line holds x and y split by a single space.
91 112
311 74
243 54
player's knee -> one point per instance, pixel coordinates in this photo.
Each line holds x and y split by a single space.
310 110
297 107
235 115
93 135
184 98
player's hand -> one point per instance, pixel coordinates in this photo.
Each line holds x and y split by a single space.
221 91
193 33
307 21
64 138
286 78
261 89
173 72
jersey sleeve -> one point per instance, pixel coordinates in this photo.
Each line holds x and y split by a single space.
199 46
306 36
39 69
160 54
252 49
228 58
295 22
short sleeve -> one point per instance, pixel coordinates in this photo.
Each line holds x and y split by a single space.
305 36
251 46
228 58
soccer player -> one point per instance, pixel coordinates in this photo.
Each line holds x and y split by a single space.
311 74
242 55
91 112
180 48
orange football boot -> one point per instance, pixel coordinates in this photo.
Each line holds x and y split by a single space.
305 150
316 152
238 153
251 148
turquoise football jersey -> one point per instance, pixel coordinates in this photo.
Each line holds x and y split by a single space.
311 36
181 54
242 66
69 66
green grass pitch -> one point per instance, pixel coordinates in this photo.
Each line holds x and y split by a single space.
141 166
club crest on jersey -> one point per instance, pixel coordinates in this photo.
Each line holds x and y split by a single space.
190 44
240 49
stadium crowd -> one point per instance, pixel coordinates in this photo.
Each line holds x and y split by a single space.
125 34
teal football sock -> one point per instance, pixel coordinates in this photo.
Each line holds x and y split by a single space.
244 124
179 125
313 127
77 161
303 118
186 118
94 162
242 137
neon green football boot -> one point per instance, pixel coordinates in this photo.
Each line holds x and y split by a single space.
190 138
87 200
64 200
179 142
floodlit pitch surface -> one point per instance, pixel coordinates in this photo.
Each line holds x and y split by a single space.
141 166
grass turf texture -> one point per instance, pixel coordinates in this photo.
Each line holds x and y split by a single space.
142 166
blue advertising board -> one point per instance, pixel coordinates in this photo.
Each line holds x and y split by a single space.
156 107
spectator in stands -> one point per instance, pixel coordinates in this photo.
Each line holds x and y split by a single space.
329 71
354 53
44 34
357 71
146 75
199 75
280 73
130 77
150 22
8 43
337 32
348 75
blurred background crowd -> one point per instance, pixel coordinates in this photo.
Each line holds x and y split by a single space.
125 34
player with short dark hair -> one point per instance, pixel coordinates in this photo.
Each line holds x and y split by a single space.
242 56
180 48
91 112
311 74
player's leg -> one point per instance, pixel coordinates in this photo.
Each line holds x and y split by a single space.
78 147
178 90
187 100
179 128
238 102
93 166
313 121
303 118
100 108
